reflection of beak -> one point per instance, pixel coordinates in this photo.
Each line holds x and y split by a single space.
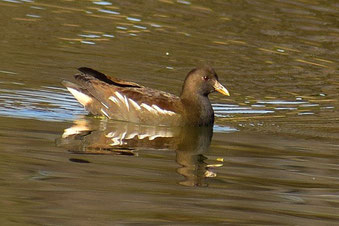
220 88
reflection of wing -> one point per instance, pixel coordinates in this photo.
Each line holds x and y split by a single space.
80 127
119 134
93 136
122 100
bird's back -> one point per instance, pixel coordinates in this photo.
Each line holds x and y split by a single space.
126 101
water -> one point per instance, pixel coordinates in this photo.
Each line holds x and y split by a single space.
272 157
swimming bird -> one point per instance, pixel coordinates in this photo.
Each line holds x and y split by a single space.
128 101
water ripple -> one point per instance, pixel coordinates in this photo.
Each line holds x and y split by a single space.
276 107
103 3
45 104
108 11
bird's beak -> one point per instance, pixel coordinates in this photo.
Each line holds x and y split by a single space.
220 88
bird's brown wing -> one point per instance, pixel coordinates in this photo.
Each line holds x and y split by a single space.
127 101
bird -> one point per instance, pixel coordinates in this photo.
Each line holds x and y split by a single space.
122 100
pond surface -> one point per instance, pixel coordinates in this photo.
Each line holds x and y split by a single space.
273 155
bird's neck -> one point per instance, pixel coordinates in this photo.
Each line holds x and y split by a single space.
199 109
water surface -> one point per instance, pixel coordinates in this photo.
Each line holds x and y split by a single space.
274 152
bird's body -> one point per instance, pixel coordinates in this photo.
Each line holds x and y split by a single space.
128 101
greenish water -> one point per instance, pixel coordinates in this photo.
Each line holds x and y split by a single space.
272 157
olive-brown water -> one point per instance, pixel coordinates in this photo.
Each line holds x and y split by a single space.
272 157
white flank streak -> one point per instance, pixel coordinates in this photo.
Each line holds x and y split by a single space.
102 110
162 111
170 112
135 105
112 98
104 105
150 109
158 109
81 97
126 103
119 96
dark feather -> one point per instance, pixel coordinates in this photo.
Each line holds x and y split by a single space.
107 79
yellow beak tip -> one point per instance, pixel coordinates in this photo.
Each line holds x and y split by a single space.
223 91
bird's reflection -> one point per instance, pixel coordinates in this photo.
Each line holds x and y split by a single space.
94 136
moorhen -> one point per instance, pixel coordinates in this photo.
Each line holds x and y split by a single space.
128 101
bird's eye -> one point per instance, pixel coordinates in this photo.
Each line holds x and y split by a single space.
205 78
